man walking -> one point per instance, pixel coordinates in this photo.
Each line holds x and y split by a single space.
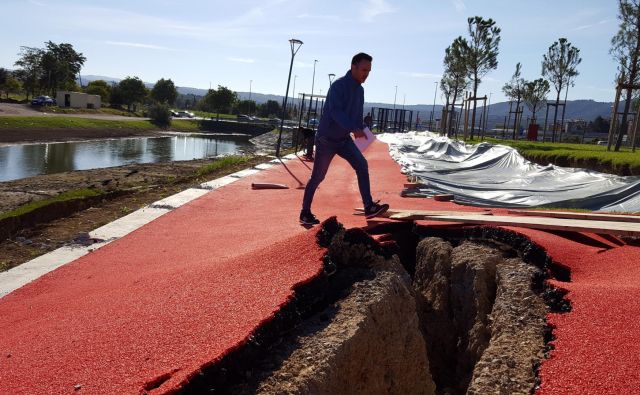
342 115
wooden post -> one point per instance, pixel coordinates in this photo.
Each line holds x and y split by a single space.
635 130
508 122
484 113
614 117
466 117
546 118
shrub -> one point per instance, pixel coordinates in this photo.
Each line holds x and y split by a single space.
160 115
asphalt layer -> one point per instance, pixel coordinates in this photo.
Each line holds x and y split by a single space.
148 311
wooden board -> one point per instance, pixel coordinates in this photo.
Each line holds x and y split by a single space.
572 225
257 185
571 215
420 214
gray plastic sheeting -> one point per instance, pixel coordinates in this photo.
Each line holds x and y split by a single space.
489 175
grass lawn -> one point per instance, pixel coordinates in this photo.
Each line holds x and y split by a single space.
44 122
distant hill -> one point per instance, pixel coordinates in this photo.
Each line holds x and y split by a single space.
576 109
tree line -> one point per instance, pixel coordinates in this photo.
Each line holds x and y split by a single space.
468 60
44 71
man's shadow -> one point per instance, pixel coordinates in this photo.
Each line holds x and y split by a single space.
301 184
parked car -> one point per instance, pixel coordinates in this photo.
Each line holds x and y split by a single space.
185 114
314 122
43 101
246 118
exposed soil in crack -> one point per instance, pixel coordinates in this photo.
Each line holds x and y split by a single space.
483 322
477 305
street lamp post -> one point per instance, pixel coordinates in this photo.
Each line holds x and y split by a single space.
294 42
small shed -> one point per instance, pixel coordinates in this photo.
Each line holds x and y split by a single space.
77 100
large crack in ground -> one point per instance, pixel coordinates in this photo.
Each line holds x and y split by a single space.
417 310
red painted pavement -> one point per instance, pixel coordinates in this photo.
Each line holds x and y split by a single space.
183 291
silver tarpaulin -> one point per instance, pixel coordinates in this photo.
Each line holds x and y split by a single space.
490 175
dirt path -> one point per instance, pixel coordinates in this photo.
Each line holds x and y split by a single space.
26 110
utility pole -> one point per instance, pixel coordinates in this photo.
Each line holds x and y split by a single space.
250 105
394 99
433 108
293 95
313 81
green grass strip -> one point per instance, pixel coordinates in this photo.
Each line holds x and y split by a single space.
49 122
222 163
63 197
46 122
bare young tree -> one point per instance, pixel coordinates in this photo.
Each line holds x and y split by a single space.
625 49
454 80
481 54
559 66
514 90
535 95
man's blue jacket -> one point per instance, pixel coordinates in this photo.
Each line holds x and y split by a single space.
342 112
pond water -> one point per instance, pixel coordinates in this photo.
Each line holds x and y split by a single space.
26 160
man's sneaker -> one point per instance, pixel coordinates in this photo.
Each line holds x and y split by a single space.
306 218
375 209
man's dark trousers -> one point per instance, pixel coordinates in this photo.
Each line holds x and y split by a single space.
346 149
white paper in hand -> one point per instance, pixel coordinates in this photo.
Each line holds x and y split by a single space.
363 142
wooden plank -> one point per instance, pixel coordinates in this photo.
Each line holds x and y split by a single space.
570 215
420 214
258 185
572 225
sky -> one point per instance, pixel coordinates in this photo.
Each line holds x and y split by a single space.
244 45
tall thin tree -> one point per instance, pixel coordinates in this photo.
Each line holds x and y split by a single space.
454 80
481 54
535 95
559 65
625 49
514 90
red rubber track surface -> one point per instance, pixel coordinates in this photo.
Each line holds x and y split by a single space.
153 308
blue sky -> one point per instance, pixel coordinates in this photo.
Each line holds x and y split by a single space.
230 43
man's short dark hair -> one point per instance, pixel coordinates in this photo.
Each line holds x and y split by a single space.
360 57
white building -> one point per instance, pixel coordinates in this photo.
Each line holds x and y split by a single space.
77 100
